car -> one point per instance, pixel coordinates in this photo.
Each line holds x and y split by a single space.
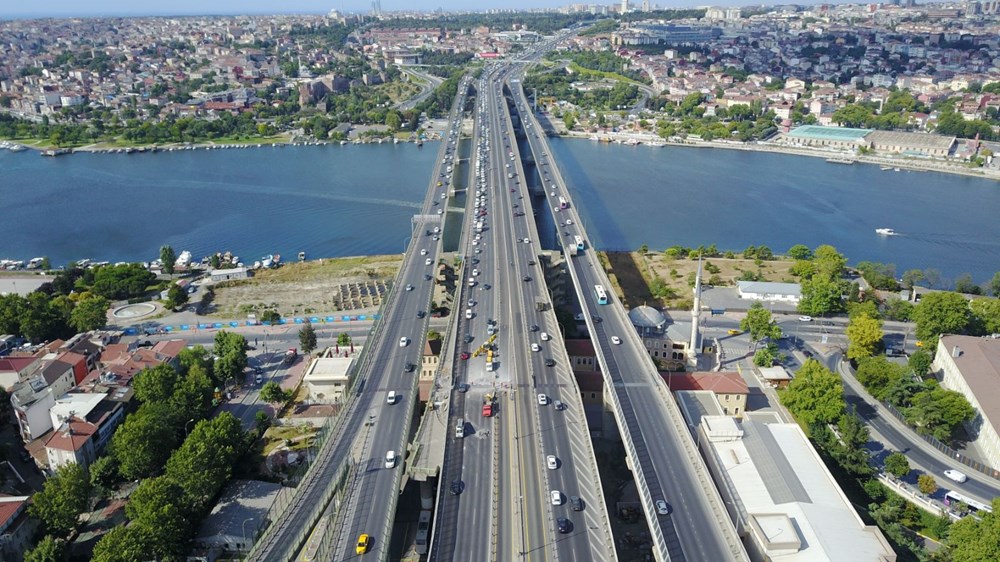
527 240
956 475
569 222
616 340
918 343
662 507
428 276
487 286
535 347
734 332
364 541
428 261
440 211
558 405
543 399
410 367
575 503
545 336
550 362
391 397
805 318
456 487
463 387
475 272
808 354
534 328
551 462
526 278
531 262
556 497
464 356
596 318
409 287
404 341
472 282
421 314
564 525
259 378
390 459
468 338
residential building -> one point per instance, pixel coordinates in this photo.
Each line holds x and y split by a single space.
429 367
729 388
328 377
17 529
71 443
33 398
971 366
229 274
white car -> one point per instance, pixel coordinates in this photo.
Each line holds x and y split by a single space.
404 341
556 497
956 475
391 397
569 222
545 336
535 347
409 287
423 252
475 272
390 459
805 318
662 508
616 340
551 462
428 261
543 399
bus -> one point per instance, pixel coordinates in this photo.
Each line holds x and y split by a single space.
562 203
423 527
602 296
579 243
953 498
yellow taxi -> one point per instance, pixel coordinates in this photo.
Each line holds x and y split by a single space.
734 332
440 184
919 343
363 542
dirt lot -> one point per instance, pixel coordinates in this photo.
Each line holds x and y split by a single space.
632 275
320 286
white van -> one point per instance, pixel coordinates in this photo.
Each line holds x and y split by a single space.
468 313
956 475
391 397
460 428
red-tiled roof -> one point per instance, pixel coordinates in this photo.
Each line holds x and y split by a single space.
16 364
9 506
71 436
724 382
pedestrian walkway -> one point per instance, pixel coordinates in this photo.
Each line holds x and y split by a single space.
333 319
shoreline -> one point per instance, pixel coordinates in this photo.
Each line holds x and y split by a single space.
841 157
100 148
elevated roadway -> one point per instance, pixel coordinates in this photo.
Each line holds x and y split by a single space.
661 452
368 426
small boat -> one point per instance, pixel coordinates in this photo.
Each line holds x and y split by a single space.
267 261
885 232
18 148
884 168
302 256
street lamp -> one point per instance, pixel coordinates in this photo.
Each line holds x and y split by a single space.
186 425
244 528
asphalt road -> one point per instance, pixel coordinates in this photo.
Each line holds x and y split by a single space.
692 530
372 427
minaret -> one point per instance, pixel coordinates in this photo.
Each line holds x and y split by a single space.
695 346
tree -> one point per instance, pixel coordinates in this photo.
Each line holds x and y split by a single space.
393 121
898 309
270 316
964 284
644 249
975 540
800 252
820 296
42 320
994 284
12 308
231 351
157 504
177 297
920 362
143 443
986 315
927 484
271 392
897 465
759 324
911 277
123 281
104 472
864 336
168 258
815 395
941 313
852 454
155 384
191 356
50 549
863 308
307 338
122 544
90 313
192 395
62 500
829 262
877 374
938 412
262 421
764 357
204 463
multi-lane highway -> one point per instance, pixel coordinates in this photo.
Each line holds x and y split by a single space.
501 472
371 427
694 525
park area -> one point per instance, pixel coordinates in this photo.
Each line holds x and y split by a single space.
320 286
661 281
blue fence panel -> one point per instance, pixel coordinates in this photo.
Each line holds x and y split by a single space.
331 319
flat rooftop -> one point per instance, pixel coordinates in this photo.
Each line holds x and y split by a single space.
790 499
820 132
911 140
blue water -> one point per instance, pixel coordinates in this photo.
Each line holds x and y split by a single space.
693 196
339 201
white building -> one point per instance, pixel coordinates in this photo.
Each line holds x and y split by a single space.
769 291
784 502
328 377
230 274
971 366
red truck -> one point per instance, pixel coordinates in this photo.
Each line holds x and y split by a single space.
487 405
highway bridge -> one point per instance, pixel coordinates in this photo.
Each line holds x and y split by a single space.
522 482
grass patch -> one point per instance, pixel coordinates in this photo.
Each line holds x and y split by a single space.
275 437
601 74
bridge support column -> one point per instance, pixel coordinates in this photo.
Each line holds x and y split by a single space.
426 495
